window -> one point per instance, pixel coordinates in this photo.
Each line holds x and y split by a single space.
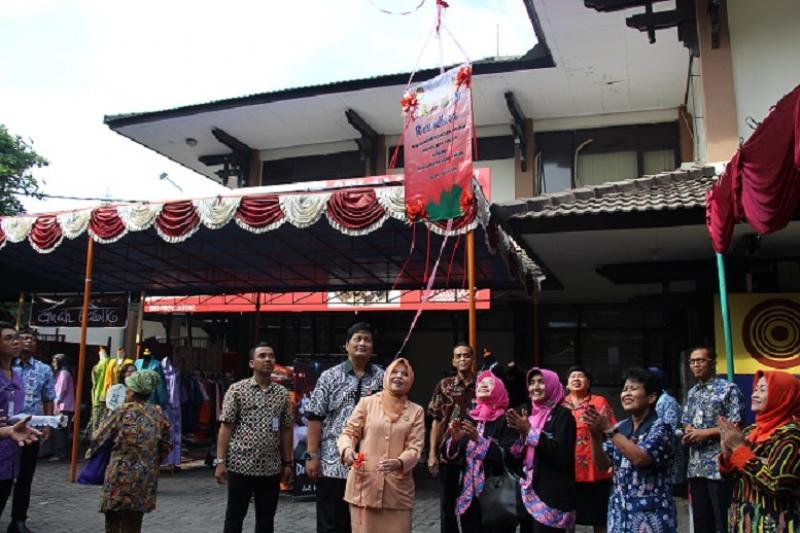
594 169
656 161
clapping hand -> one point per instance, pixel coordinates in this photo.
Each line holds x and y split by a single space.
518 422
469 430
598 423
730 436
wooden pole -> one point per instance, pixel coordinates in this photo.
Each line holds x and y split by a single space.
473 331
87 295
20 309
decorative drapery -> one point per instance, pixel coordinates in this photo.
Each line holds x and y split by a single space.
351 211
761 184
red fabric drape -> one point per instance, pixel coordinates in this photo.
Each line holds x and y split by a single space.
178 218
763 177
356 209
259 211
46 232
106 223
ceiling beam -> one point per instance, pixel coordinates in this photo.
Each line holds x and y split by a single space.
518 126
368 142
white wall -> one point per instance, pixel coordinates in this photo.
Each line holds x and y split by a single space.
765 51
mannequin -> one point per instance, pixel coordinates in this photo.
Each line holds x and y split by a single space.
99 388
172 380
112 370
148 362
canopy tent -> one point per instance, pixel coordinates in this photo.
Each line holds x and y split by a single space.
258 239
263 239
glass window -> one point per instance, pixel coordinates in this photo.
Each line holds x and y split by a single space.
608 352
558 350
594 169
556 172
656 161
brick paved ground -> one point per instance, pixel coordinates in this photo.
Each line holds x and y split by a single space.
190 502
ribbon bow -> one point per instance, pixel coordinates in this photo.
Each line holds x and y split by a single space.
415 209
409 103
464 77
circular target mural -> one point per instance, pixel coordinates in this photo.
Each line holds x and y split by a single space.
771 333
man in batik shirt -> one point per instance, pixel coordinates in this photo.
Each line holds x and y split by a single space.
709 399
452 399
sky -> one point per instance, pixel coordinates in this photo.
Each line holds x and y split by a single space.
64 64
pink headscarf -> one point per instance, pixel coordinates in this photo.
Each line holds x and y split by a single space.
493 407
540 412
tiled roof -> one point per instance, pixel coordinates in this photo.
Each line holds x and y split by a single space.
681 189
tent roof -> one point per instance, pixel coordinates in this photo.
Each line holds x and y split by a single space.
254 240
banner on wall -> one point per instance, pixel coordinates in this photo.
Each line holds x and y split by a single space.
437 146
107 311
766 332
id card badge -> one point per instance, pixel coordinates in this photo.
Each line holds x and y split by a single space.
698 418
275 423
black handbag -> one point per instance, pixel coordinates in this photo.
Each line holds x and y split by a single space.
501 500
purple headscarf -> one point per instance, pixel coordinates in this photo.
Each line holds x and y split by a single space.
540 412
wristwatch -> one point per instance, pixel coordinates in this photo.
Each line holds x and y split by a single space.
611 432
310 455
217 462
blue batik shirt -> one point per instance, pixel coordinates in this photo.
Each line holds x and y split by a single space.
39 383
704 404
641 500
669 412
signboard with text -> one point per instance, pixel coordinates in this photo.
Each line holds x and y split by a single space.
109 311
437 146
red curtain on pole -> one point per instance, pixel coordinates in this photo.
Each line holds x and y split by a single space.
761 184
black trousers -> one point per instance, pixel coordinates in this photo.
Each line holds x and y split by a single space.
333 513
22 488
265 491
449 490
710 501
6 486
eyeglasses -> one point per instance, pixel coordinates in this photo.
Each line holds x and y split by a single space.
698 362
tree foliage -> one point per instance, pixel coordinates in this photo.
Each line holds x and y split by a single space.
17 159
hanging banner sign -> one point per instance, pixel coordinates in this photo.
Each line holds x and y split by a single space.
110 311
765 329
437 146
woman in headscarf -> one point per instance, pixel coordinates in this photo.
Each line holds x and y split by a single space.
765 458
382 442
547 445
480 442
639 449
592 485
141 440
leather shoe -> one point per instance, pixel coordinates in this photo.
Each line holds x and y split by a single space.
18 526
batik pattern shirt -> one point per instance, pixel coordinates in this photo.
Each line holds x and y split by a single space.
452 399
141 437
641 501
704 404
257 416
669 412
40 385
767 474
336 394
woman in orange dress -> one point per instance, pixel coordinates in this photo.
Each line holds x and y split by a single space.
592 486
382 442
